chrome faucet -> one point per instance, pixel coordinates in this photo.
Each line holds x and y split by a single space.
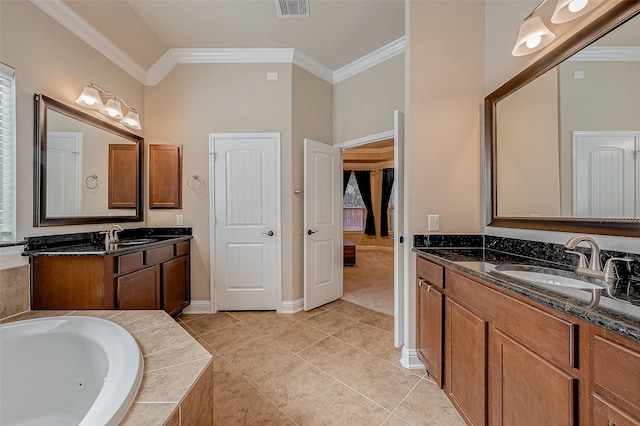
111 236
595 267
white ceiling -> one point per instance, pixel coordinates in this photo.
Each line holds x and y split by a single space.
337 32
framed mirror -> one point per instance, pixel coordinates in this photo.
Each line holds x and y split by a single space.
85 170
563 136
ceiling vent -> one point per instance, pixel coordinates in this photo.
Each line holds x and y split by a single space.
292 8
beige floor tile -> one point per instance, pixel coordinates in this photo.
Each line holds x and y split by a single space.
208 323
294 386
231 338
206 346
236 402
332 355
329 322
283 421
362 336
427 404
395 421
352 310
336 405
379 320
297 335
377 379
302 315
333 304
261 359
255 318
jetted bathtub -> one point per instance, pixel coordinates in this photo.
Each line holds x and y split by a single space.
68 370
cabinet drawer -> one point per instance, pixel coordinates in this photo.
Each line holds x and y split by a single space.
158 255
617 369
182 248
130 262
547 335
429 272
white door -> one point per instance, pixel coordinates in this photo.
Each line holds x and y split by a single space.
605 176
64 174
322 224
398 225
245 170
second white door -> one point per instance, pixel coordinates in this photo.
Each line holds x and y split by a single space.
245 175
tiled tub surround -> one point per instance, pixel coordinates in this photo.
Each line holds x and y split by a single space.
92 243
14 291
177 383
478 256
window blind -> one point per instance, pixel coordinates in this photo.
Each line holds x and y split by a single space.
7 153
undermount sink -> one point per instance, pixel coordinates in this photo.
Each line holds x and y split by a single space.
550 276
136 241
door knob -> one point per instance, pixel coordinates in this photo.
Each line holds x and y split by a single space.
311 232
270 233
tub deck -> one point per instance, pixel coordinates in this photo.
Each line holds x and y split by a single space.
177 383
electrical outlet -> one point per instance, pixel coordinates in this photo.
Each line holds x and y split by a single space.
434 222
179 219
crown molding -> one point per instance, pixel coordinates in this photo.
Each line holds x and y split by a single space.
607 53
94 38
314 67
372 59
62 13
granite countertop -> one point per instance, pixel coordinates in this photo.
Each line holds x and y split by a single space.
617 311
92 244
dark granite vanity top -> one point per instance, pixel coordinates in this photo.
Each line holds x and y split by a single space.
92 243
618 309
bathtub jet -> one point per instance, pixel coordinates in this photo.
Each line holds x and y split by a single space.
69 370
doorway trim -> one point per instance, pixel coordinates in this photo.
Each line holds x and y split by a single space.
278 204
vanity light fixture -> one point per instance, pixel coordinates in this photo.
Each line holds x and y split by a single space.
533 35
566 10
94 97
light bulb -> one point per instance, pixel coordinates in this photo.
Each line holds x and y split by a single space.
577 5
533 42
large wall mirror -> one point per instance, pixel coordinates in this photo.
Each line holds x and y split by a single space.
564 151
85 170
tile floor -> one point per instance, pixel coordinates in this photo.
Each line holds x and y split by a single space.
370 282
335 365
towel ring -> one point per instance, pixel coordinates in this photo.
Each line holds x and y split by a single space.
195 182
91 182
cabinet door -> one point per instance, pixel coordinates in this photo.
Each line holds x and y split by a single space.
165 176
139 290
606 413
175 285
527 390
123 176
429 329
466 363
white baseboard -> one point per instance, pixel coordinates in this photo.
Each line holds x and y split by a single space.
410 359
199 307
291 306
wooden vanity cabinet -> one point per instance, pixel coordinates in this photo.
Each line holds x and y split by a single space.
429 313
615 380
154 278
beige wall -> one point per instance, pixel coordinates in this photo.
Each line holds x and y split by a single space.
446 89
48 59
194 101
363 105
528 154
584 106
311 118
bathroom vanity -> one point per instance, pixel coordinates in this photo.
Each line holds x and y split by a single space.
143 271
506 352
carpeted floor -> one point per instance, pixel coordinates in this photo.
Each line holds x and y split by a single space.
370 282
